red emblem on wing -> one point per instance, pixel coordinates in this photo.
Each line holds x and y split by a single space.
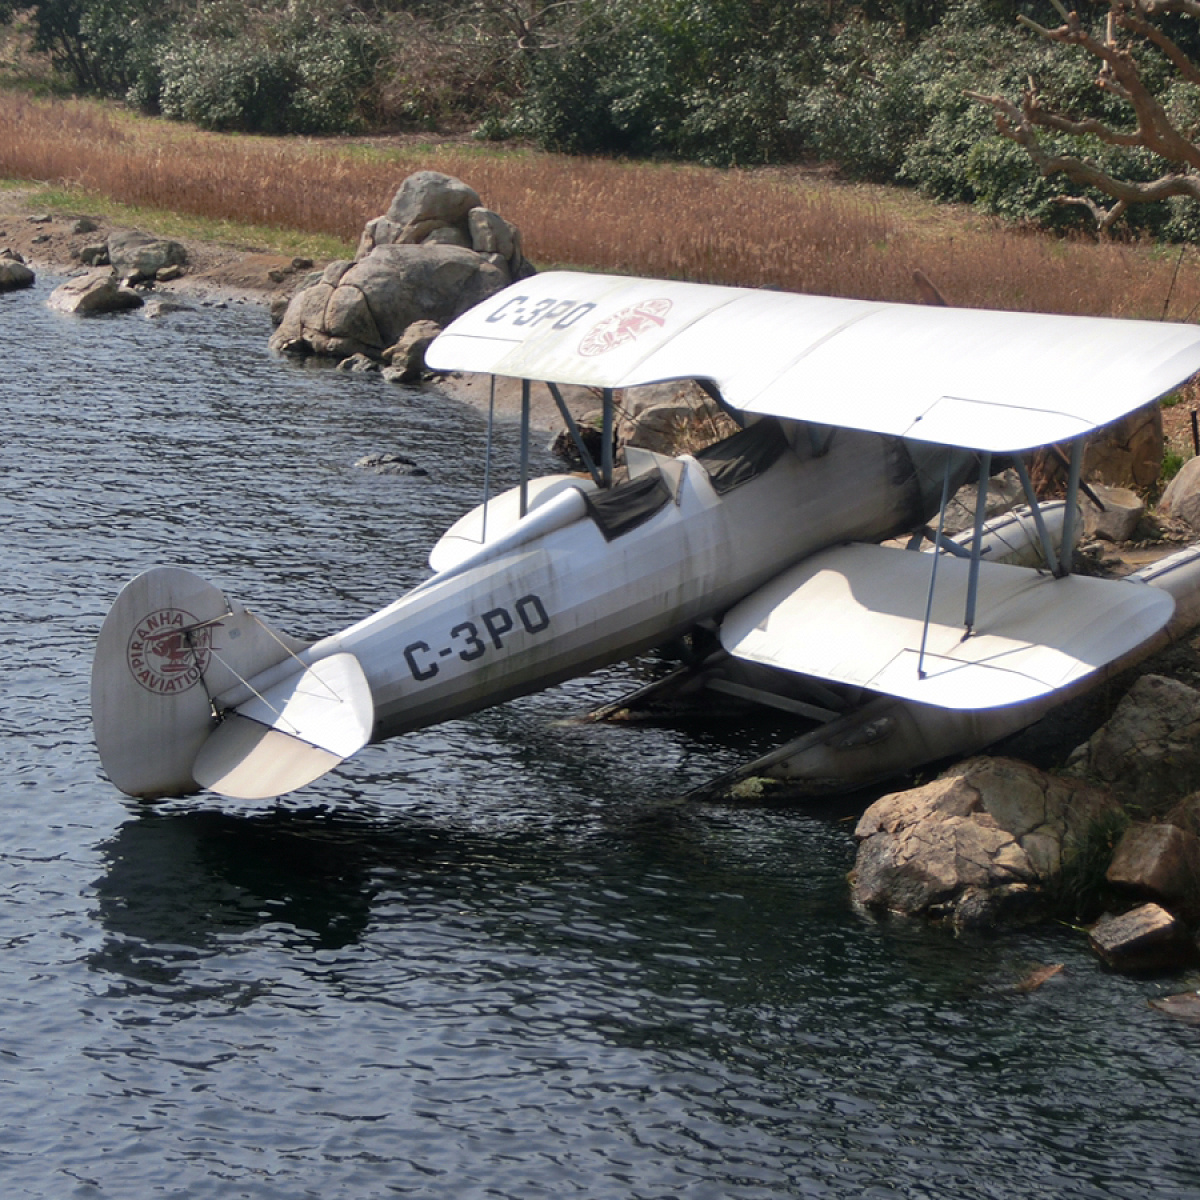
624 326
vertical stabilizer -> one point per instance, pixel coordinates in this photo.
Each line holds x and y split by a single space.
169 644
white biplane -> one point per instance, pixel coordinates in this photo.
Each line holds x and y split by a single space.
858 421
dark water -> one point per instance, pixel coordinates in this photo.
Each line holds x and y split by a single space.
491 960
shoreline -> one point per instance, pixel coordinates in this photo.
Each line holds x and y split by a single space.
218 272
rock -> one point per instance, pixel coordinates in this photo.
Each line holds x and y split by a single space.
166 274
1186 814
14 274
390 464
1159 862
359 363
158 307
670 418
447 235
1003 492
374 301
1122 511
1183 1007
92 293
491 233
981 841
1148 752
1147 939
138 256
407 357
84 225
95 255
421 261
1181 500
1129 452
432 196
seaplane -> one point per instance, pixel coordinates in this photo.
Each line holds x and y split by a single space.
773 553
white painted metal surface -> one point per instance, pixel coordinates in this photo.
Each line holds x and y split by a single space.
290 733
167 642
998 381
854 615
488 523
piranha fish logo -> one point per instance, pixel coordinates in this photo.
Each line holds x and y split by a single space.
167 654
624 326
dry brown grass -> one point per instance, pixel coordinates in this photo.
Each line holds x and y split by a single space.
789 229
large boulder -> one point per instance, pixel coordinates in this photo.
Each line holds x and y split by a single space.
435 253
92 293
365 307
1148 752
982 842
137 257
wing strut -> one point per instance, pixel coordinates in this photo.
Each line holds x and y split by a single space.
937 554
1060 565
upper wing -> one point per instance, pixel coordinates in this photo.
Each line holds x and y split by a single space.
999 381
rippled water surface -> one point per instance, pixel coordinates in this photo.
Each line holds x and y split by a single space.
495 959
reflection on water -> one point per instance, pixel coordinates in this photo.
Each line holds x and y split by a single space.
498 958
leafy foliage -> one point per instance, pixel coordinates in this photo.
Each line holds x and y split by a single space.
877 87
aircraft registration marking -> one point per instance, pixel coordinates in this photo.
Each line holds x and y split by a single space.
562 313
471 639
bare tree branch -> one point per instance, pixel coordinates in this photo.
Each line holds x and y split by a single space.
1118 75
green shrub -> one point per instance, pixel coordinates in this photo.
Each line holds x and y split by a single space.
300 73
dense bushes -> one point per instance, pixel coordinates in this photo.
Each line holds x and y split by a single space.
303 75
878 87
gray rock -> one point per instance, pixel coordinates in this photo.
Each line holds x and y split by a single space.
92 293
1181 500
358 363
138 256
374 301
95 255
446 235
491 233
1117 521
432 196
406 359
158 307
386 463
84 225
14 274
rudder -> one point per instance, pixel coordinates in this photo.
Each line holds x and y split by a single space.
170 643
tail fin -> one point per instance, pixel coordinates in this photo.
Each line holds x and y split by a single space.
170 645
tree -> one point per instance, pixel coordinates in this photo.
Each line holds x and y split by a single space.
1148 80
99 44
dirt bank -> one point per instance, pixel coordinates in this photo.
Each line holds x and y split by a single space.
51 241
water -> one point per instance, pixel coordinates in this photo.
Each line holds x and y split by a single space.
496 959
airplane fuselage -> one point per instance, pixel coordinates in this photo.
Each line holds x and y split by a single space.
567 601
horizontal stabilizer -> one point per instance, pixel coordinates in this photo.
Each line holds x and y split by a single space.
855 615
290 733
